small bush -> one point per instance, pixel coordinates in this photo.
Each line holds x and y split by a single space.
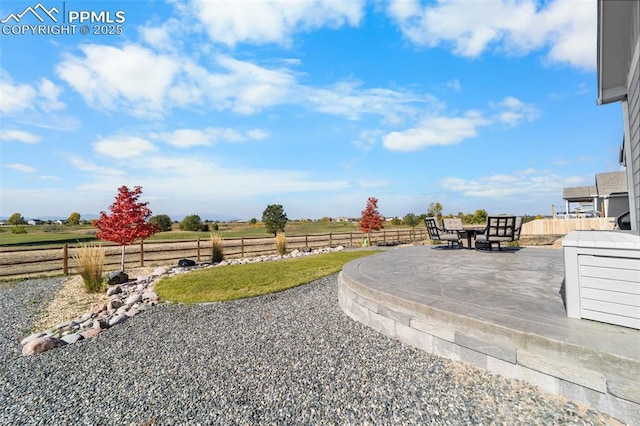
281 243
217 248
19 229
52 227
90 260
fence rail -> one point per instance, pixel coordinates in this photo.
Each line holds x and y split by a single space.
24 263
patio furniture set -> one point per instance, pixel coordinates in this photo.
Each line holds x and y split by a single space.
498 230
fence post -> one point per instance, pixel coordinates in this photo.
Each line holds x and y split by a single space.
306 240
65 262
241 246
384 237
142 253
398 235
198 251
350 239
330 239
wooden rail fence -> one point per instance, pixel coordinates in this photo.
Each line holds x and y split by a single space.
19 263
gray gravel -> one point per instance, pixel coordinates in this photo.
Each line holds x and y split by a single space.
287 358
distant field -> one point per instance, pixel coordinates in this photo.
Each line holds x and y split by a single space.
36 236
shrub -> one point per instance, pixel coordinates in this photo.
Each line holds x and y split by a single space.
162 221
217 248
281 243
191 223
52 227
90 260
19 229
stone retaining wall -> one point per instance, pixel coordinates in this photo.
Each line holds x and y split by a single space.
553 366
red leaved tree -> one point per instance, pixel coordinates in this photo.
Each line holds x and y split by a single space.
128 220
371 219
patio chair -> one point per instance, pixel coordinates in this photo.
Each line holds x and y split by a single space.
437 234
499 229
454 224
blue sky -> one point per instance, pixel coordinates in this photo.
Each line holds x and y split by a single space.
223 107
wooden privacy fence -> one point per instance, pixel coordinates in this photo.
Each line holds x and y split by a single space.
564 226
15 263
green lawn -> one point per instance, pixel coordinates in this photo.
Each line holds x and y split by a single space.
36 236
249 280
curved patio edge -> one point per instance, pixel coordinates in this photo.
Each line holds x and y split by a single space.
602 380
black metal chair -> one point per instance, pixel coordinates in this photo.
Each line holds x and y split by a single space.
623 222
438 234
500 229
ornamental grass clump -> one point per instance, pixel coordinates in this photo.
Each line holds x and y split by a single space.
90 260
281 243
217 248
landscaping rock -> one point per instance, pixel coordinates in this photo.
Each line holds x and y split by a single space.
41 344
119 319
134 298
117 278
72 338
185 263
114 290
91 332
114 304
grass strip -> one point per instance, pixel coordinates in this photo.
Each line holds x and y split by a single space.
254 279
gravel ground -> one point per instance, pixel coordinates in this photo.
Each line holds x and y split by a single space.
287 358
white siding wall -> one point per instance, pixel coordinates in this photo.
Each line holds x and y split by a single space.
633 83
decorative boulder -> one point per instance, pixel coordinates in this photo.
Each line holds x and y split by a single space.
117 278
306 249
184 263
41 344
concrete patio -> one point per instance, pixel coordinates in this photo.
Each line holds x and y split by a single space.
501 311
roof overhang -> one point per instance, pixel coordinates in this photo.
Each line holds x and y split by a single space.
614 26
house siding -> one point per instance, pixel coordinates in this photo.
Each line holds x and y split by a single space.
633 99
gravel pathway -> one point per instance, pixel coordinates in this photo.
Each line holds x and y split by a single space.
287 358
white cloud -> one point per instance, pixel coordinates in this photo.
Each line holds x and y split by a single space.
535 184
19 135
86 166
513 111
20 167
123 147
132 78
15 98
565 27
440 130
164 37
49 93
50 177
436 130
20 97
347 99
367 139
372 183
118 79
273 21
186 138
